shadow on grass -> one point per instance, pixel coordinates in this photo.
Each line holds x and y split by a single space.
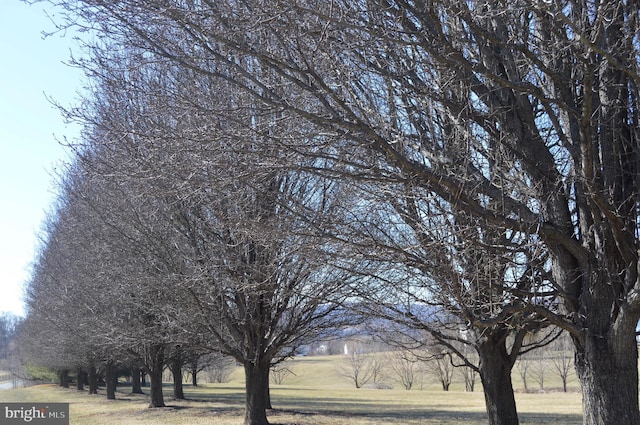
302 406
427 416
231 399
228 400
345 408
218 394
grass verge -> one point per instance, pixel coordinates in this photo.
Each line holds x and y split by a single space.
296 405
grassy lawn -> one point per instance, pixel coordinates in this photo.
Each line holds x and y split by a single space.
330 400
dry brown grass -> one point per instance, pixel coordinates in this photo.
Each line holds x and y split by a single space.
222 404
329 401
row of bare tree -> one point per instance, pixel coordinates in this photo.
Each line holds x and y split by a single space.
406 367
10 364
363 365
173 237
251 170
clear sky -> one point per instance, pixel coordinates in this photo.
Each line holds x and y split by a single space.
31 69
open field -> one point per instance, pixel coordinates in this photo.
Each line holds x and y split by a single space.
313 397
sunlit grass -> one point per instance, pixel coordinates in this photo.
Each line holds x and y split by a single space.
222 404
316 395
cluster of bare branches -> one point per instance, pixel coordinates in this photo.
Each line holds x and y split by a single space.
174 238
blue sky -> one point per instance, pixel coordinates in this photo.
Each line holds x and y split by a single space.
32 70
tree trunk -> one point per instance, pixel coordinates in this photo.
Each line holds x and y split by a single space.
268 384
469 379
257 393
495 375
194 378
606 352
608 373
111 379
155 373
80 379
524 383
176 371
136 386
93 380
63 377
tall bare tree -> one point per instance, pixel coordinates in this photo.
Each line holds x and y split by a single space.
436 279
57 332
561 359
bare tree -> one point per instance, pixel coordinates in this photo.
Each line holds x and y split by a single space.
524 365
107 274
61 329
470 376
539 367
280 372
442 368
441 289
561 357
219 368
358 366
177 360
199 360
405 367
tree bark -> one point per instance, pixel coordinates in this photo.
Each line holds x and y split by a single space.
111 378
194 378
155 373
608 372
93 380
63 377
136 385
604 338
495 373
268 384
176 371
80 379
257 393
